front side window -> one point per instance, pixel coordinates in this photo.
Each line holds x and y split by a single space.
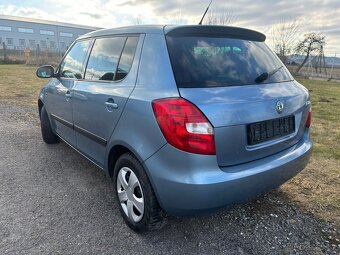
71 66
104 58
205 61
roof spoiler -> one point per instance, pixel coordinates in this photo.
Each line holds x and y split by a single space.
215 31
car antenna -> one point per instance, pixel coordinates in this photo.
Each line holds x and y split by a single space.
205 13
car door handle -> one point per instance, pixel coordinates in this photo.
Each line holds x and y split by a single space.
68 94
111 104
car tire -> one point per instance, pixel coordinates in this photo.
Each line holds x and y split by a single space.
46 129
130 174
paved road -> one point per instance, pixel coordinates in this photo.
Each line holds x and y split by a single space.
53 201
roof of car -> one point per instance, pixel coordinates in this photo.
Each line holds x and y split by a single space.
138 29
175 30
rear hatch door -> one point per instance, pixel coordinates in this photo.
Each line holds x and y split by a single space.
250 98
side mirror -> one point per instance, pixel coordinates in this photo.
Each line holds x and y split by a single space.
45 72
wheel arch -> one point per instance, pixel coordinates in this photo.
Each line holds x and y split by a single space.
115 152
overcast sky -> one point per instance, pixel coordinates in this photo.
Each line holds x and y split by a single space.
315 15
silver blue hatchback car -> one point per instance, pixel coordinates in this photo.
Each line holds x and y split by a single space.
184 119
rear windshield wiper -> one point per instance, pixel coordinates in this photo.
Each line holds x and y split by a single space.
264 76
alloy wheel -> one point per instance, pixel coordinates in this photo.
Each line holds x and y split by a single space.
130 194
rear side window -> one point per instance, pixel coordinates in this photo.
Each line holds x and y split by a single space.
104 58
71 66
126 59
111 58
200 62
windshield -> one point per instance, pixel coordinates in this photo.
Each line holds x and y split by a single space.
200 62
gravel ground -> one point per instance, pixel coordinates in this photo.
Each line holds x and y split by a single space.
53 201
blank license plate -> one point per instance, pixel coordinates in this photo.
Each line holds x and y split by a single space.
270 129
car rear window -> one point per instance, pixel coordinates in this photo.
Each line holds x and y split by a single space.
203 61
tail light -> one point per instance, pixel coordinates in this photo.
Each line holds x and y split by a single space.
309 119
184 126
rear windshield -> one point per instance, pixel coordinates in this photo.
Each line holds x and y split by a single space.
200 62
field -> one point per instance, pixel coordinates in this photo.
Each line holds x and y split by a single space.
311 72
316 189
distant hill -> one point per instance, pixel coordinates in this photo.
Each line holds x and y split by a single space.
329 60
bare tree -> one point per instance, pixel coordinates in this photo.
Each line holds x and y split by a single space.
222 17
284 36
311 43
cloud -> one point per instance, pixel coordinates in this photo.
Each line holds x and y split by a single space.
25 12
92 15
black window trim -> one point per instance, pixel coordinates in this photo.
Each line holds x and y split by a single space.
118 62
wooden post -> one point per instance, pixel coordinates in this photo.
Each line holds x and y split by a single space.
37 56
330 75
27 54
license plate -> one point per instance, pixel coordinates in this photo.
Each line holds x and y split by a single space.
270 129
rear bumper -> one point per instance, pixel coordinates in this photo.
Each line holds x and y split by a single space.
188 184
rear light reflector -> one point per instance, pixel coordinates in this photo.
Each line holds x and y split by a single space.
199 128
184 126
309 119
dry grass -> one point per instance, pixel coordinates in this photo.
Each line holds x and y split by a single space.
317 188
19 84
